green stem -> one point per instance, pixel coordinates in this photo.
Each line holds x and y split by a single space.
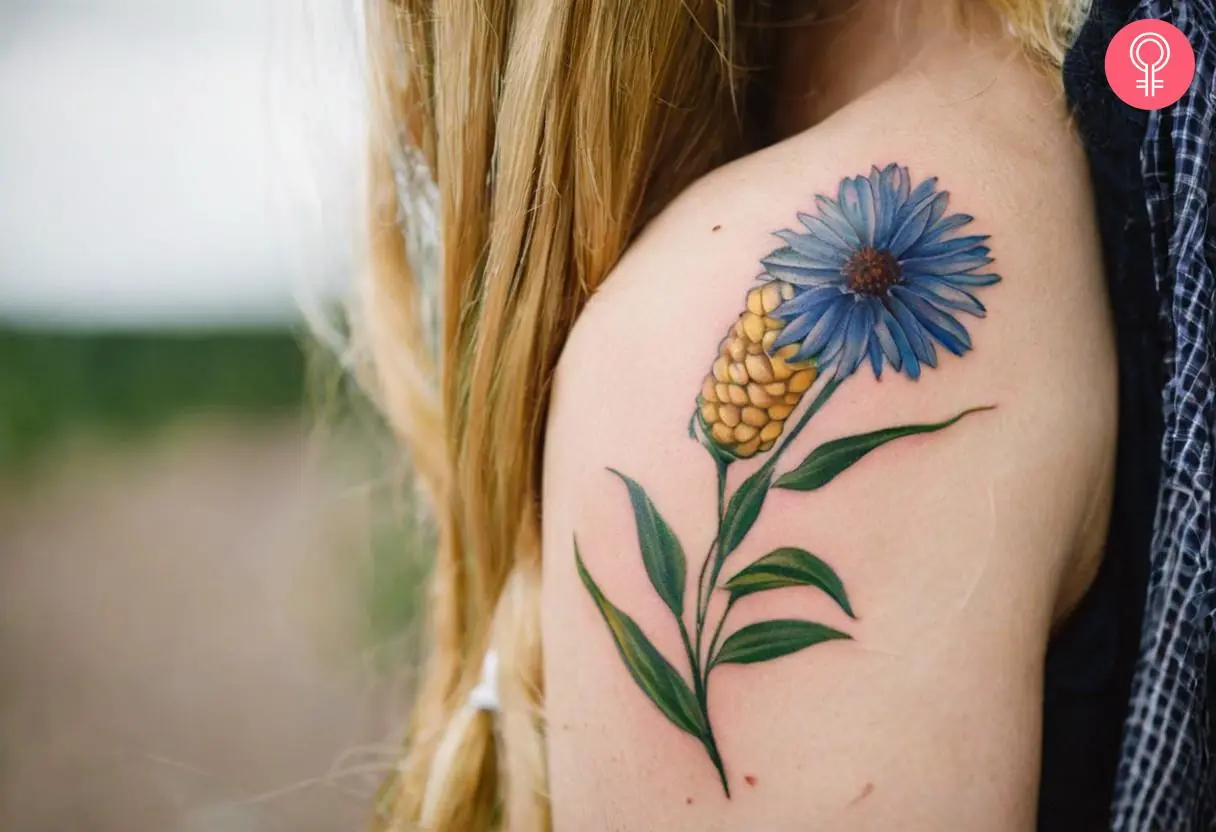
711 656
698 682
706 589
703 592
825 393
715 756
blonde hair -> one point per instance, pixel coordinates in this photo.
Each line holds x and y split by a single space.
552 130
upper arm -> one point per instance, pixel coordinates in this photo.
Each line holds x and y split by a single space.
952 547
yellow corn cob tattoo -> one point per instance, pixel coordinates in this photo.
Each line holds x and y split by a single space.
752 389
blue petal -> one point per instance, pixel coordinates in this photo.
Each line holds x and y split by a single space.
857 203
939 208
949 332
795 330
788 258
875 358
942 293
818 227
918 338
914 225
884 340
820 328
935 232
830 353
804 277
816 251
966 279
944 264
903 183
932 249
832 216
886 188
904 358
807 300
856 339
915 199
791 266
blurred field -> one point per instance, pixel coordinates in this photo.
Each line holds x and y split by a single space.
195 633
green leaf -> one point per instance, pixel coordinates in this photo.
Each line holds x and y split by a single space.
789 566
743 509
661 550
831 458
661 683
773 639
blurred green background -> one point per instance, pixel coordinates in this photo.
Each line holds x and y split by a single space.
119 386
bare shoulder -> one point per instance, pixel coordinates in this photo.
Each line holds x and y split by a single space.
822 457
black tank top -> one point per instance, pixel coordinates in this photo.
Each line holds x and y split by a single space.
1091 658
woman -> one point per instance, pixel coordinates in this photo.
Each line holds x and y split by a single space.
827 464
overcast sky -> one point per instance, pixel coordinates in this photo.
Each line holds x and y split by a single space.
166 161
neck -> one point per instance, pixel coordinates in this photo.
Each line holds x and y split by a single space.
844 49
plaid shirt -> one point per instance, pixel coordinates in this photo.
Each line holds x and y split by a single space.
1165 779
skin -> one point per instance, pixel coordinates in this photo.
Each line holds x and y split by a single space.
961 550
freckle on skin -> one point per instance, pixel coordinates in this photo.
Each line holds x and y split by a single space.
717 228
749 779
866 791
688 801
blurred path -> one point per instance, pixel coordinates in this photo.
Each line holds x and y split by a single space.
176 637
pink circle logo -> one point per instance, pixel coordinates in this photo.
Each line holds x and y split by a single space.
1149 64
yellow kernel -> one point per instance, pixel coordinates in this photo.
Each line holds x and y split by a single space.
764 446
754 349
738 328
781 370
771 431
770 338
737 373
770 298
737 349
801 380
777 388
755 302
709 391
723 391
745 433
759 369
724 347
722 434
779 412
787 351
758 397
729 414
773 323
709 412
786 289
738 395
720 369
748 448
753 326
792 398
753 416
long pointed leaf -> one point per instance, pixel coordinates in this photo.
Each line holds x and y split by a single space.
743 509
789 566
832 458
661 550
767 640
661 683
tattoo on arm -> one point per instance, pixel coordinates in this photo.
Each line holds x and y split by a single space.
876 275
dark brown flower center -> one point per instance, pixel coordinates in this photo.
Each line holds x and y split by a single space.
872 271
